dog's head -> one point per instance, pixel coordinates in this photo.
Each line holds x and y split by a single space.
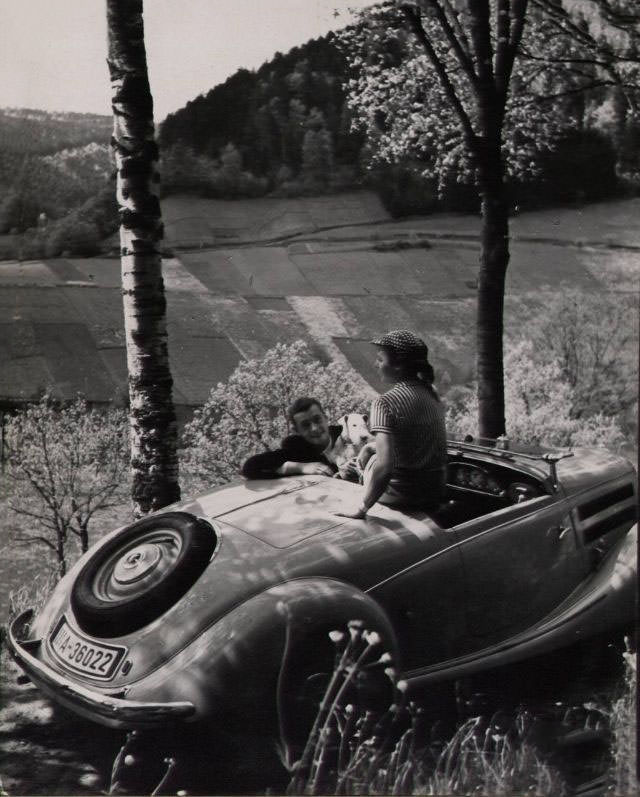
355 429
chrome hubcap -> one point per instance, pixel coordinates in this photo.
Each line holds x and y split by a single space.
132 571
136 564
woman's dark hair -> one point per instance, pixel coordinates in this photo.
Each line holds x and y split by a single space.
415 365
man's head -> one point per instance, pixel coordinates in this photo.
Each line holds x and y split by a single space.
308 419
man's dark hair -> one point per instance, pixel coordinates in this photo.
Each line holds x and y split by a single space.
302 404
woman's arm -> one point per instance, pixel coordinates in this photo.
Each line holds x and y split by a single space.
379 476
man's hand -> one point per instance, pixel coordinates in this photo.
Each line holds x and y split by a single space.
315 468
300 468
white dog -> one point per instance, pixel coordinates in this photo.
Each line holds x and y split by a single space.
355 434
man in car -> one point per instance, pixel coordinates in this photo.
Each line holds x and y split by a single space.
309 450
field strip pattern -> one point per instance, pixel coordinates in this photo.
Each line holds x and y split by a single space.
62 321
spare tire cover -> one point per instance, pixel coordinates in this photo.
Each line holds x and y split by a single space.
139 574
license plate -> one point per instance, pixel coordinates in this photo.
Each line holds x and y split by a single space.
84 656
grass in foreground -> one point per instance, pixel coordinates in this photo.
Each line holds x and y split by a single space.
351 752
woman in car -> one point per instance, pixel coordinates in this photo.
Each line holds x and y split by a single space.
409 464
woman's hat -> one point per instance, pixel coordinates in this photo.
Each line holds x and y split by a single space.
403 342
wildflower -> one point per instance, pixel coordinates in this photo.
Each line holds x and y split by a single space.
402 685
372 637
129 760
336 636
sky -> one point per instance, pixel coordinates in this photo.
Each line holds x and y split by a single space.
53 52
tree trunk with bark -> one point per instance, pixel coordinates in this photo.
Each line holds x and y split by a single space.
494 259
154 461
486 56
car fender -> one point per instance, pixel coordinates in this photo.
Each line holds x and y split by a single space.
225 670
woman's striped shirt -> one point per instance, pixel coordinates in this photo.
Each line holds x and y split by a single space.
414 418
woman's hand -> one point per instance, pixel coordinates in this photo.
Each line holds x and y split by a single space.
358 514
349 472
366 452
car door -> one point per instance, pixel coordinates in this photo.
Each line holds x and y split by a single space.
519 563
425 604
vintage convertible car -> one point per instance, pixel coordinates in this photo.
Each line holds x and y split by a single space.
220 607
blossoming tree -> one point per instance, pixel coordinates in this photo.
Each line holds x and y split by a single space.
472 90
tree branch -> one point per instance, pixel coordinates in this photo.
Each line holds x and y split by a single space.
568 93
503 47
463 57
37 538
526 55
519 13
27 513
462 36
559 17
479 20
413 17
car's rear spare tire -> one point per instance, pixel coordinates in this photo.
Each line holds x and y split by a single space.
141 572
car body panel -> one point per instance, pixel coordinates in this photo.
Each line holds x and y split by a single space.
358 552
455 591
518 569
604 601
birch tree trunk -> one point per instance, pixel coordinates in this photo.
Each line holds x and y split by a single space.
154 462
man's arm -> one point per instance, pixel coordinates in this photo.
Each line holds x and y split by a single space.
293 459
266 465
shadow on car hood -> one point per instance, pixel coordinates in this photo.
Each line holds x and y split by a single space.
289 517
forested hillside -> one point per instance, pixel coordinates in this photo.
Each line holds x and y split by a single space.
285 129
25 130
55 180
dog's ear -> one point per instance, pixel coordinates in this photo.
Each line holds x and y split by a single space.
365 418
344 421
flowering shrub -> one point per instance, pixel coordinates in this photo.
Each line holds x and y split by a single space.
538 406
248 413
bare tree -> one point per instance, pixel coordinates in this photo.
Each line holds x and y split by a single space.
64 464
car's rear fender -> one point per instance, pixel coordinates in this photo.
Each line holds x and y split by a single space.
230 671
229 668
